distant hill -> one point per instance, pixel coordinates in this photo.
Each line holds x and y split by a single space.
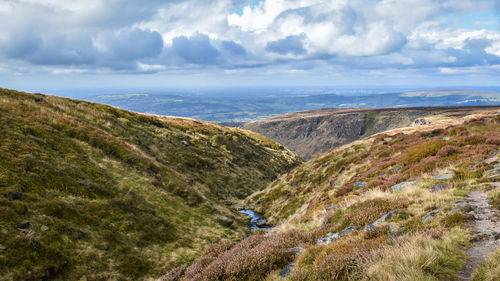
309 133
244 105
92 192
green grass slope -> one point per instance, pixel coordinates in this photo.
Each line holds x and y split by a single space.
92 192
376 229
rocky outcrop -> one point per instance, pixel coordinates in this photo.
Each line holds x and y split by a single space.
309 133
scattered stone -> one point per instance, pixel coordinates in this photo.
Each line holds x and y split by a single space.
494 176
439 187
330 207
386 217
225 221
395 170
446 138
420 122
325 164
430 215
330 237
296 250
400 185
2 247
443 177
78 234
14 195
370 227
387 139
382 174
83 278
494 170
24 225
287 270
360 184
185 143
44 228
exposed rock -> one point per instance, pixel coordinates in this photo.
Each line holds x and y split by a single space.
395 170
14 195
400 185
328 208
386 217
370 227
296 250
443 177
360 184
430 215
185 143
287 270
330 237
225 221
461 203
494 170
44 228
24 225
439 186
420 122
325 164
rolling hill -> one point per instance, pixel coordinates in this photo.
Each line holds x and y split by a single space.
92 192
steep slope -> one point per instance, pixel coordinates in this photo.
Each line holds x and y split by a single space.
309 133
94 192
351 213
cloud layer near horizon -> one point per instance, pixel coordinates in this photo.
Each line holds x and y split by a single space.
58 36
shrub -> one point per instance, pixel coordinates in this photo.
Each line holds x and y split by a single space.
447 150
337 261
421 151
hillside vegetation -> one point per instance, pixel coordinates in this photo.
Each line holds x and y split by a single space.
394 206
92 192
310 133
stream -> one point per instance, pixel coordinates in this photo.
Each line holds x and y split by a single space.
257 221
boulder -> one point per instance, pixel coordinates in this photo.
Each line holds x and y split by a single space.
443 177
14 195
225 221
439 186
360 184
296 250
287 270
330 237
400 185
430 215
386 217
24 225
420 122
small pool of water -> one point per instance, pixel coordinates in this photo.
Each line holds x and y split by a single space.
257 221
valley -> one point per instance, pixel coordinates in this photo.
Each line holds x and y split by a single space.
93 192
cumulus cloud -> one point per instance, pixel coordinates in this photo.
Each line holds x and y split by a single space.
153 36
290 45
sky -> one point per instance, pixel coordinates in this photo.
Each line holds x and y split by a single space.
59 44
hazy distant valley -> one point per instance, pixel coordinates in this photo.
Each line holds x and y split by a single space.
243 105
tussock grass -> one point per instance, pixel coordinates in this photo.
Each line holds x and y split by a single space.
489 270
419 257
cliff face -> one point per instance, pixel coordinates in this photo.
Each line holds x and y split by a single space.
310 133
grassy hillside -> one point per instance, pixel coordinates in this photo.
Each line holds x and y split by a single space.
92 192
310 133
394 206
